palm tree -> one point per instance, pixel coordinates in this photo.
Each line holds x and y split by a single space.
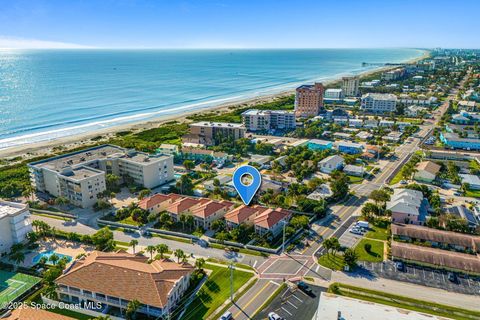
179 254
133 244
54 259
28 192
162 249
183 218
132 309
189 220
36 224
18 257
199 263
151 249
61 201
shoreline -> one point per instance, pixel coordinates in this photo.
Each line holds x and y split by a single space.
43 148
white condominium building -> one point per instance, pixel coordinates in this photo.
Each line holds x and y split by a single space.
334 94
80 176
265 120
350 86
379 103
15 224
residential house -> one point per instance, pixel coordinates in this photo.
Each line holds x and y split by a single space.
317 144
116 279
271 221
352 170
243 215
355 123
349 147
408 206
364 135
453 141
386 123
464 213
427 171
222 179
331 163
394 136
166 148
323 191
472 180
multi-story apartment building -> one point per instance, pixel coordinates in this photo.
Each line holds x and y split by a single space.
334 94
266 120
80 176
350 86
115 279
213 133
379 103
309 100
15 224
394 74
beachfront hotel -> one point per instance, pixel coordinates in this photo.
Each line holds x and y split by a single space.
309 100
115 279
15 224
80 176
213 133
266 120
379 103
350 86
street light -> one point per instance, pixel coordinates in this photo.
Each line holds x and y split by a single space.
283 243
231 267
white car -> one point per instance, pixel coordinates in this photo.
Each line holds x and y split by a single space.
274 316
355 231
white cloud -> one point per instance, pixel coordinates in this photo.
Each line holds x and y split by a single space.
21 43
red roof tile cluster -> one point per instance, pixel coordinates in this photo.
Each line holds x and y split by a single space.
258 215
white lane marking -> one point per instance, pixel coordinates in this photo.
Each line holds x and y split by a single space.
316 269
286 311
255 263
292 304
275 283
297 298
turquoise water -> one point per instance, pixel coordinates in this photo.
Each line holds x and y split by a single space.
47 255
54 93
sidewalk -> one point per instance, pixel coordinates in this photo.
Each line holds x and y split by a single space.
411 290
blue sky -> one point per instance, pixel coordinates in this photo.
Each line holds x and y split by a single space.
239 24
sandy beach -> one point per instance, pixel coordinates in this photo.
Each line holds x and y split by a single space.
37 149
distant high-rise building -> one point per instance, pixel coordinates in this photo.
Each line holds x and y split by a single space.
379 103
350 86
309 100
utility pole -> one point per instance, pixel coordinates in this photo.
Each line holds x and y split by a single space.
231 267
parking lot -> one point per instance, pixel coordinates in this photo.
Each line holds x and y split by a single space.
293 304
423 276
349 239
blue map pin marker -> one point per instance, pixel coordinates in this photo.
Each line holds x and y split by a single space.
247 191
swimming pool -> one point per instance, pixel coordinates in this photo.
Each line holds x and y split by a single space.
48 255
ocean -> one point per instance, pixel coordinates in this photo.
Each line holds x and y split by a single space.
48 94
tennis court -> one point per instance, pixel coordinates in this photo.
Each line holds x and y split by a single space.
13 285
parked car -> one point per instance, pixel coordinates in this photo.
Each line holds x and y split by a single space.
226 316
400 266
403 182
355 231
362 224
305 288
274 316
452 277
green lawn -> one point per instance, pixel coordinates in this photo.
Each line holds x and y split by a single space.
330 261
378 231
472 193
397 178
129 221
403 302
354 179
375 254
13 285
215 291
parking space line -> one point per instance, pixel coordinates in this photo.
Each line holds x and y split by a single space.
286 311
255 263
292 304
316 269
297 298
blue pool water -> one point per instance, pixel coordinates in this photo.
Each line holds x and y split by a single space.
47 255
48 94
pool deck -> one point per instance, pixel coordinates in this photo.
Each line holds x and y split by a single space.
63 247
